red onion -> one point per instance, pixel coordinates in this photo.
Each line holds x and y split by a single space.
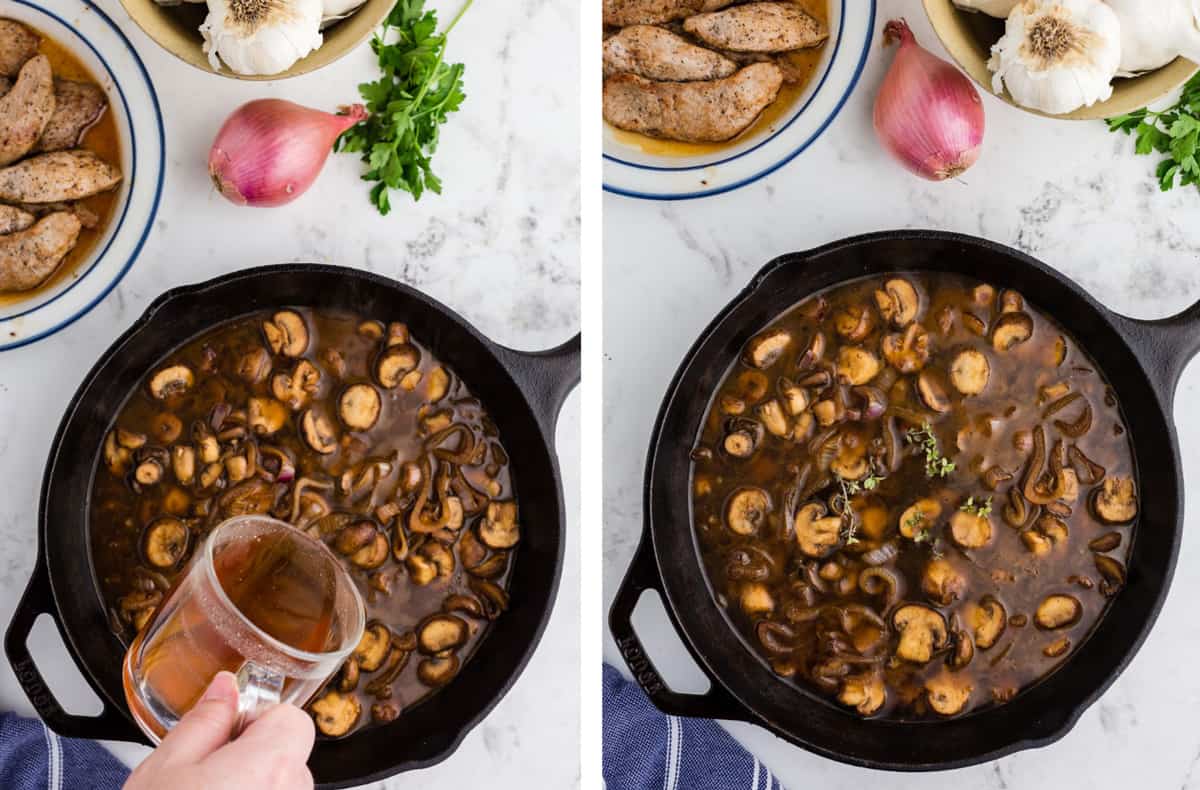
269 151
928 114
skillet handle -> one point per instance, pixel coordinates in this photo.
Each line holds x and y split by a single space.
643 575
1167 346
110 725
547 377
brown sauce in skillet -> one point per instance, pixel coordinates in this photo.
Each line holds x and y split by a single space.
272 413
915 495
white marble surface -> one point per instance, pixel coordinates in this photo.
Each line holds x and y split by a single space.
500 246
1072 195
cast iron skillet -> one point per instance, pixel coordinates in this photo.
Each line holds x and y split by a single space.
1141 359
523 393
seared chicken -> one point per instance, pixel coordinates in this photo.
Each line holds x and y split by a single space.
758 27
30 256
622 13
55 177
26 109
17 45
77 107
699 112
658 54
13 219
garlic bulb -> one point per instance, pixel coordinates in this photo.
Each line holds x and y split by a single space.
261 36
996 8
1057 55
334 10
1155 32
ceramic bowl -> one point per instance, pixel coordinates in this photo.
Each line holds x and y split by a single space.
968 37
632 171
177 30
89 34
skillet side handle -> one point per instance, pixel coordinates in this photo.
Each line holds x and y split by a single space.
547 377
643 575
1167 346
110 725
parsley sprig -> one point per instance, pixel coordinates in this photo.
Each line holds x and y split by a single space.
936 465
407 105
1173 132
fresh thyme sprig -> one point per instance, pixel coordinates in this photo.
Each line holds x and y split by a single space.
982 509
850 488
936 465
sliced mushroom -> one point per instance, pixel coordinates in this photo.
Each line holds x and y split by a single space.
919 516
1037 543
970 371
165 427
756 599
1113 573
1115 501
963 651
898 302
747 510
438 384
286 333
933 391
970 530
499 530
1057 648
1106 542
854 323
865 693
947 693
1011 329
856 366
922 632
165 542
442 632
335 714
1011 302
347 677
813 353
765 349
254 365
988 620
319 432
942 582
438 670
148 472
773 418
372 648
298 387
266 416
394 363
253 496
384 712
1053 528
372 555
173 380
116 457
359 407
817 535
1058 611
908 352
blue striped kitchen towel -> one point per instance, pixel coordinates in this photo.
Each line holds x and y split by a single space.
32 757
645 749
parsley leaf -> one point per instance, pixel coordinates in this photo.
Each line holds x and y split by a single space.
407 105
1173 133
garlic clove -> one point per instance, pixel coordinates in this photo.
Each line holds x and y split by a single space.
1057 55
1155 32
261 37
997 8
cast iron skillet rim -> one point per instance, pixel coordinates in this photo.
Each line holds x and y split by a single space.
1119 325
433 747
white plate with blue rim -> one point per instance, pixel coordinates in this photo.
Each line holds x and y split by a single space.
634 169
98 44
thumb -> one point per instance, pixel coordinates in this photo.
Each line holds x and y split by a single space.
204 728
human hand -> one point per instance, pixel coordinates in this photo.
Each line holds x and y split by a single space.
199 755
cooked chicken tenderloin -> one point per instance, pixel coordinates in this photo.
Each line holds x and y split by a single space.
622 13
26 109
29 257
13 219
57 177
17 45
77 108
700 112
758 27
658 54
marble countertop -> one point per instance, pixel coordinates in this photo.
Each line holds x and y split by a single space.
1070 194
501 247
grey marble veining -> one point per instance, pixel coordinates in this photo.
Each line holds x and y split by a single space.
500 246
1073 195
